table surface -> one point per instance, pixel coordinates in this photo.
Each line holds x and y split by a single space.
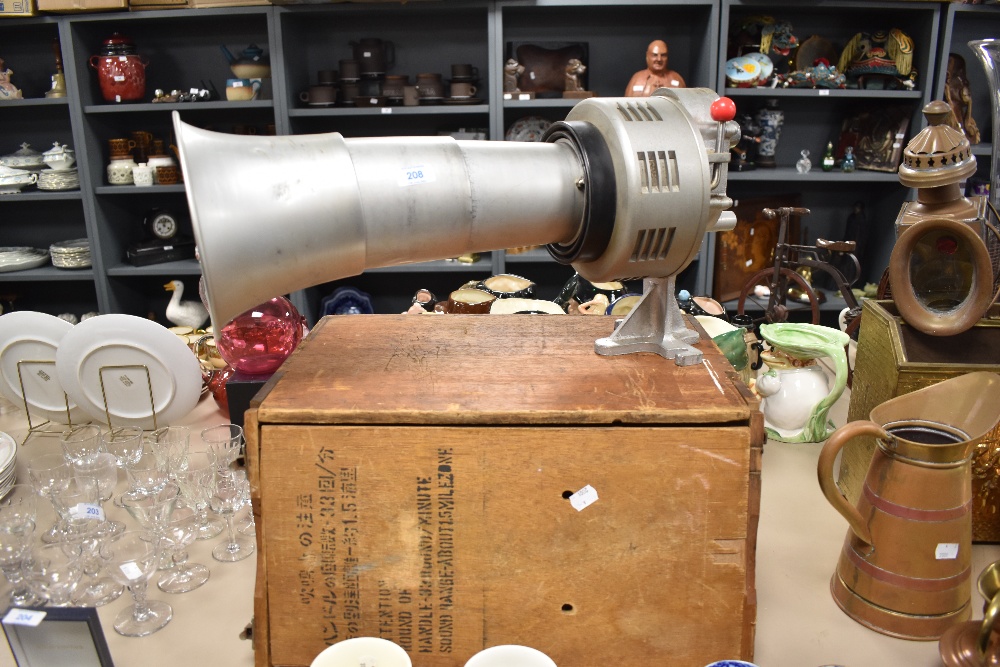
799 541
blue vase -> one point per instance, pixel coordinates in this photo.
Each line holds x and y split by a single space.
770 119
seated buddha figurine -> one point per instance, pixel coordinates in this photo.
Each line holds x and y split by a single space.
656 75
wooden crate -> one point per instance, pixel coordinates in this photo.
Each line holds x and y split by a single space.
411 479
894 359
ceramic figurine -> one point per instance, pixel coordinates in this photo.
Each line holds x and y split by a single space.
657 73
184 313
8 91
797 397
574 70
512 70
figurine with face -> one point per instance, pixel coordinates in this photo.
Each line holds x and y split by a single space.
657 73
959 98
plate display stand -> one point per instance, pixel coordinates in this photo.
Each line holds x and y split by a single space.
149 386
40 428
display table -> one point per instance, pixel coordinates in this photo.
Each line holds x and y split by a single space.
798 624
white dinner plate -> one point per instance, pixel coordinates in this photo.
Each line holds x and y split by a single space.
114 348
29 336
8 448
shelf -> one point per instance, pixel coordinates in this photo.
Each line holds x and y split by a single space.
983 148
850 93
215 105
815 175
35 102
439 266
545 103
184 267
530 256
47 273
40 195
833 304
137 190
391 111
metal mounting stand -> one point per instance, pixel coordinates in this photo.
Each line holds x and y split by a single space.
39 429
654 325
149 386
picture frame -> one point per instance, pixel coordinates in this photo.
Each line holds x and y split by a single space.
877 134
65 636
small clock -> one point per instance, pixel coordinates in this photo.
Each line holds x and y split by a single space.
161 224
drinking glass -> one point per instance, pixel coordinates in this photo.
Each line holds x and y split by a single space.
54 572
96 588
124 442
227 495
146 475
170 445
193 478
152 511
104 472
48 472
225 440
17 531
77 503
82 443
181 531
131 560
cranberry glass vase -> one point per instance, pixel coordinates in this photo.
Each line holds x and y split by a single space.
259 340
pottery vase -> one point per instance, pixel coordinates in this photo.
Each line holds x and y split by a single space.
770 119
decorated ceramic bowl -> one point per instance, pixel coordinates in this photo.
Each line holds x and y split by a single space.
742 72
13 180
60 157
24 158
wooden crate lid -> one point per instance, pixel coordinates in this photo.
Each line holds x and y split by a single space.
491 369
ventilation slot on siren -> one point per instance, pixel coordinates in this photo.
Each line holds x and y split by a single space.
633 111
657 171
653 244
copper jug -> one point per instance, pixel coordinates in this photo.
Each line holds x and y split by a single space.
905 568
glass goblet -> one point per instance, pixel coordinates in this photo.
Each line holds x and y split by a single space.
180 534
82 443
192 478
170 445
152 511
131 560
48 472
146 475
104 472
96 588
55 571
17 531
225 440
227 495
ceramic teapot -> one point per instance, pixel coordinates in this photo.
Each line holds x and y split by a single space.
251 64
121 72
797 396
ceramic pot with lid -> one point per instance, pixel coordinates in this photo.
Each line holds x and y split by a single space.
12 180
374 56
23 158
120 170
60 157
251 63
121 72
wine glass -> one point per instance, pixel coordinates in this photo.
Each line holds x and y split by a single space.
54 572
104 472
181 531
225 440
17 530
170 445
48 472
131 560
82 443
146 474
227 495
152 510
192 478
96 588
125 444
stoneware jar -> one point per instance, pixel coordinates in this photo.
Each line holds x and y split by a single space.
120 170
121 72
142 175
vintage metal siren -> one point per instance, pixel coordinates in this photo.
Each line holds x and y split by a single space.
940 271
623 188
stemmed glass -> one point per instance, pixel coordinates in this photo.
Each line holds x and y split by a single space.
82 443
180 534
225 440
125 444
17 529
227 495
48 472
170 445
152 510
146 474
192 477
55 571
132 558
105 474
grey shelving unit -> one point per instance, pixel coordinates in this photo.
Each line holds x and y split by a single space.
183 49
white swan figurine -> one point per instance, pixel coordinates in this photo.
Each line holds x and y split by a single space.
184 313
